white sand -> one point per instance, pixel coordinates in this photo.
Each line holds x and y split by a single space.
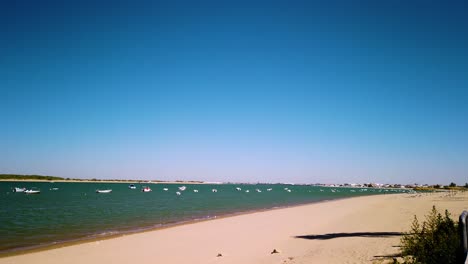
250 238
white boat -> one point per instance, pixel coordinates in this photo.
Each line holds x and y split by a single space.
32 191
132 186
17 189
104 191
54 189
182 188
146 189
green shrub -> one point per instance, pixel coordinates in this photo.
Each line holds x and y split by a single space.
28 177
434 241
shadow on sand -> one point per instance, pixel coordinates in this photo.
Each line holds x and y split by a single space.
357 234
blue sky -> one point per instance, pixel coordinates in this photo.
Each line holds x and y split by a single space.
251 91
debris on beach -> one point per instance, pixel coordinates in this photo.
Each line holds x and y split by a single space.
219 255
275 251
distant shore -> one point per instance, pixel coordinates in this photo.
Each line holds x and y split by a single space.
48 178
355 230
109 181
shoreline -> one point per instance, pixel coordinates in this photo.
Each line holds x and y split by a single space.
323 232
138 230
107 181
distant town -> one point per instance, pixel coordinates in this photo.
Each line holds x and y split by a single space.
416 186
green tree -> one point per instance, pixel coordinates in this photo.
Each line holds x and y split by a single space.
452 184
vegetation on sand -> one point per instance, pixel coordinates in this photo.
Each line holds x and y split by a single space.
434 241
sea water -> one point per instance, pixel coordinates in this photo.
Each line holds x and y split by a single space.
75 211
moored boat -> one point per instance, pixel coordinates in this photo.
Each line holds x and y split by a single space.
132 186
32 191
104 191
146 189
17 189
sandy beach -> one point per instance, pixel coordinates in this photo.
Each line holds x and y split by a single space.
354 230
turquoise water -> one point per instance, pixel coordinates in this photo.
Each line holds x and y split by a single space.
75 211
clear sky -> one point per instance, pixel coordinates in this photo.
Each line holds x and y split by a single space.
251 91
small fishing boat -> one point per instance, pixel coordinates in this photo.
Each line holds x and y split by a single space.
54 189
146 189
182 188
32 191
132 186
17 189
104 191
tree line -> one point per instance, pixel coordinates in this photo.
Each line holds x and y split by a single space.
28 177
